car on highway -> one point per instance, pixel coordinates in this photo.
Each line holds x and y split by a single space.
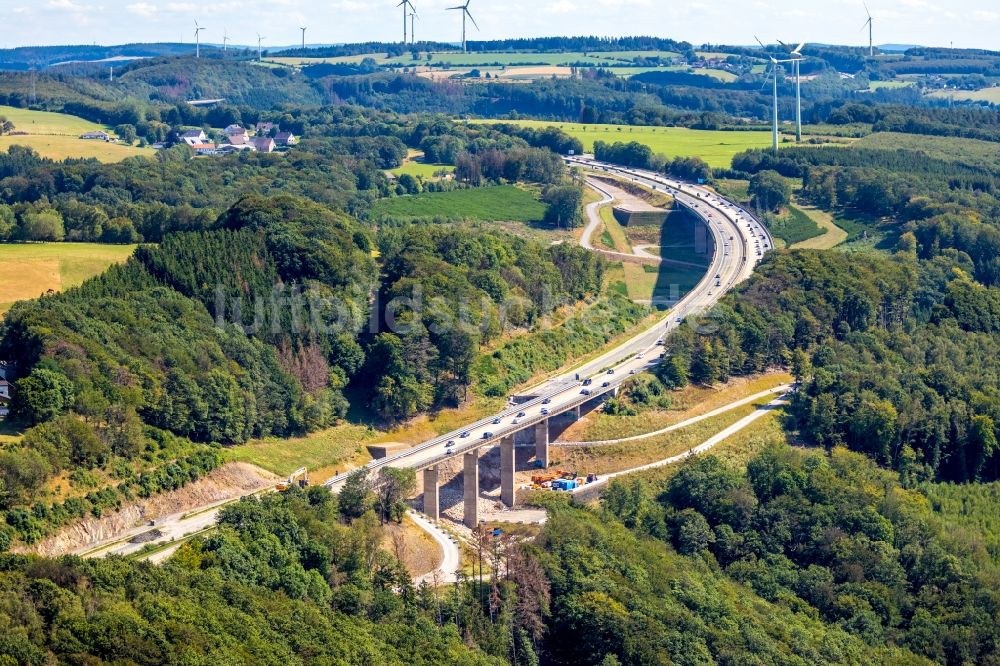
464 434
547 401
605 384
521 415
449 448
496 421
545 411
611 371
487 435
661 341
585 392
588 381
516 421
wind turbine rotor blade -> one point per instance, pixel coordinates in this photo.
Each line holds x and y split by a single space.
799 48
472 19
867 11
760 42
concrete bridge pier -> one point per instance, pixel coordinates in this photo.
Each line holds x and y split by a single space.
542 442
507 485
432 501
470 482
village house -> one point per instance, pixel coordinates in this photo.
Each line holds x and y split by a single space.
97 135
236 131
205 149
264 128
237 140
194 137
286 139
5 389
263 144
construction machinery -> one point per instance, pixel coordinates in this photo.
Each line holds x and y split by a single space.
290 482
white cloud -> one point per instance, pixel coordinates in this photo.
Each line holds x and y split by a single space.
143 9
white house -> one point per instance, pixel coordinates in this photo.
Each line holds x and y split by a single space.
96 135
237 131
5 389
194 137
286 139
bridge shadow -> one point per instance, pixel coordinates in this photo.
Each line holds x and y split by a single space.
684 239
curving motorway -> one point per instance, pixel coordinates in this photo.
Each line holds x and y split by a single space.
740 242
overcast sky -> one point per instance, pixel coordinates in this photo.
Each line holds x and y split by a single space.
967 23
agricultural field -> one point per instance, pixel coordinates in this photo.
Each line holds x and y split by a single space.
31 269
415 166
715 147
877 85
720 74
508 59
486 204
57 136
990 95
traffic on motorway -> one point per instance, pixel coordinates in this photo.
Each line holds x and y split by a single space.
726 221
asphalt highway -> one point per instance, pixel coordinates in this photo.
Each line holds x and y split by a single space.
740 243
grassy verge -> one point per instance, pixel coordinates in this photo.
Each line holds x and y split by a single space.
736 450
319 451
832 235
617 457
687 403
794 226
619 239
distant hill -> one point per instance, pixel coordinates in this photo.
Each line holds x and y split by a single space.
897 48
25 57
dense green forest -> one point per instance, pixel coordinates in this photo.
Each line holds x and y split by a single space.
803 558
857 566
898 356
286 580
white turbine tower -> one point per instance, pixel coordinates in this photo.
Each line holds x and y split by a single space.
407 7
225 41
868 24
797 59
465 13
260 57
413 29
303 29
197 39
774 68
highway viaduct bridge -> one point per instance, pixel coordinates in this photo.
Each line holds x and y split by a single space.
739 242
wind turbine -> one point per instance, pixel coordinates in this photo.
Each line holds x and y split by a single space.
303 29
797 58
197 39
225 41
465 13
260 39
413 30
407 6
868 24
774 67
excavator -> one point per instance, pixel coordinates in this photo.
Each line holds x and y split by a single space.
303 482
